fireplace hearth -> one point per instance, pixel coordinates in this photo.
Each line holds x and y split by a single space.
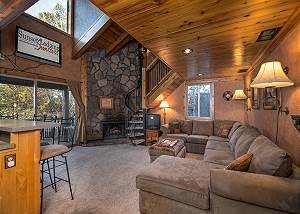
113 129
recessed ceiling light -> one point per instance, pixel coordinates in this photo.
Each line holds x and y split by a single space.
187 51
199 75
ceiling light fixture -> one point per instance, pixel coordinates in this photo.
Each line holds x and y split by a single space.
187 51
199 75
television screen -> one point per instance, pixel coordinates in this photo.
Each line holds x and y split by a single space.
153 121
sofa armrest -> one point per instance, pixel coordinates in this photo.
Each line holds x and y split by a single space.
262 190
165 129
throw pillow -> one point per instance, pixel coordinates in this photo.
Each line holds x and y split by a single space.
174 127
224 130
241 164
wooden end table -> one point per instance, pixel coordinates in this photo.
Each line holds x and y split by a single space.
152 135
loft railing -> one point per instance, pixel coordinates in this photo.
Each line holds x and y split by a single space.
155 73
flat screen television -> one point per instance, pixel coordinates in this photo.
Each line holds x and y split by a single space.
153 121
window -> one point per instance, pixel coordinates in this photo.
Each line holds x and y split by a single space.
17 97
200 101
54 12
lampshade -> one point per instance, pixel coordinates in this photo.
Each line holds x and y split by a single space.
239 95
164 104
271 74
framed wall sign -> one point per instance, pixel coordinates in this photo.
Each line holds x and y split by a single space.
36 47
270 100
106 103
255 98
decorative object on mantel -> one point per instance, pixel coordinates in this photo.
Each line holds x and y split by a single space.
106 103
227 95
239 94
164 104
270 99
272 76
255 104
296 121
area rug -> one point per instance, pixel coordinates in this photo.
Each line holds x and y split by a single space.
103 181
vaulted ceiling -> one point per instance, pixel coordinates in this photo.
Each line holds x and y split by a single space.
11 9
222 33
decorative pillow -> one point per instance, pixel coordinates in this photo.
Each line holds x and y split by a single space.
186 127
241 164
224 130
174 127
236 135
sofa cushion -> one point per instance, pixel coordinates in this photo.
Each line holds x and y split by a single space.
218 145
177 136
186 126
240 164
235 126
218 125
218 157
235 136
245 140
182 180
217 138
202 127
199 139
269 159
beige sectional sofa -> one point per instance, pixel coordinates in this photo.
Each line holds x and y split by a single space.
173 185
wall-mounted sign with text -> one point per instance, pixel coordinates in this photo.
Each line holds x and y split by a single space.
32 45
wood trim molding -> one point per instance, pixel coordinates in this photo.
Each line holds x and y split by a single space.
99 26
289 26
122 40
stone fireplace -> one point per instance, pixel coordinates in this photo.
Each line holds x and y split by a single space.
110 77
113 129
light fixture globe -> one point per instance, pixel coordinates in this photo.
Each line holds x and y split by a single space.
239 95
271 74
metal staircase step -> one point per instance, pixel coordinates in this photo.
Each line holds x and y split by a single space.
139 141
132 135
135 128
136 122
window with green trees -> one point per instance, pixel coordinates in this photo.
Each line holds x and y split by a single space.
54 12
200 101
26 98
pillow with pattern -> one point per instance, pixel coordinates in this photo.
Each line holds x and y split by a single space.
174 127
224 130
240 164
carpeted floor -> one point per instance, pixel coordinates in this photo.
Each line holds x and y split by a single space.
103 181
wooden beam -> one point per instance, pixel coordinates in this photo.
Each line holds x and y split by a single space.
120 42
92 34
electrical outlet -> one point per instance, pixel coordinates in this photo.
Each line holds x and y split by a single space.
1 56
10 161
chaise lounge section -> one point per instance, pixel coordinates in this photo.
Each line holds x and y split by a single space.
173 185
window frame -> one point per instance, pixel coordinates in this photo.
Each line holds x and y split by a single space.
69 19
212 106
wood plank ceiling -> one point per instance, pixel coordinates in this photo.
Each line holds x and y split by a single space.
112 39
222 33
11 9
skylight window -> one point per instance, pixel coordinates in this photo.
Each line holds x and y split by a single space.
53 12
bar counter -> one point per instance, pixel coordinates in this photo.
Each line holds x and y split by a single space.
19 165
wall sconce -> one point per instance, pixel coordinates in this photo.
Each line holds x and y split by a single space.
271 75
239 94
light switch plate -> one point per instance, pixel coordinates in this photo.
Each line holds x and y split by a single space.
10 161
